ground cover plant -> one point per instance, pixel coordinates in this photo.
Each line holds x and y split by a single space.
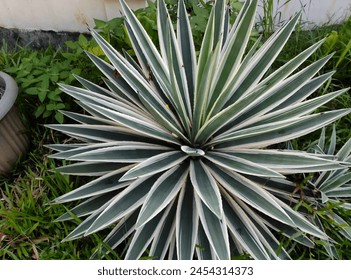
37 73
331 211
26 228
174 134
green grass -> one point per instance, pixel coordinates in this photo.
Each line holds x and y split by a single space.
340 63
27 227
301 40
342 246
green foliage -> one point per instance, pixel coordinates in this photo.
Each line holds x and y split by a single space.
267 23
337 248
199 15
326 197
114 30
271 19
181 147
339 41
38 73
116 34
334 190
332 45
148 18
26 228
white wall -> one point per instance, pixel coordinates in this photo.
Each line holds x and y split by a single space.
72 15
315 12
59 15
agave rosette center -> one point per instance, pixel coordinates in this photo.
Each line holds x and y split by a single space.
180 143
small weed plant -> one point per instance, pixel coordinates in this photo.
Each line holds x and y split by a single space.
38 72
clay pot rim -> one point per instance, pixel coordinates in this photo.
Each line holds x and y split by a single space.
8 98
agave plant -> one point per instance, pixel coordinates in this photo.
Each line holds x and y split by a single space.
334 184
182 145
331 186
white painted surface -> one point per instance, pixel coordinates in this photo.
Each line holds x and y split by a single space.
314 12
73 15
59 15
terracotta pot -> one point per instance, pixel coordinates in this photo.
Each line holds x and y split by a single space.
13 140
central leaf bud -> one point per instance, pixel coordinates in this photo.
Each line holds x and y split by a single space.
194 152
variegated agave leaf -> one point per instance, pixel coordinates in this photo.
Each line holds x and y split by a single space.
181 144
332 186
